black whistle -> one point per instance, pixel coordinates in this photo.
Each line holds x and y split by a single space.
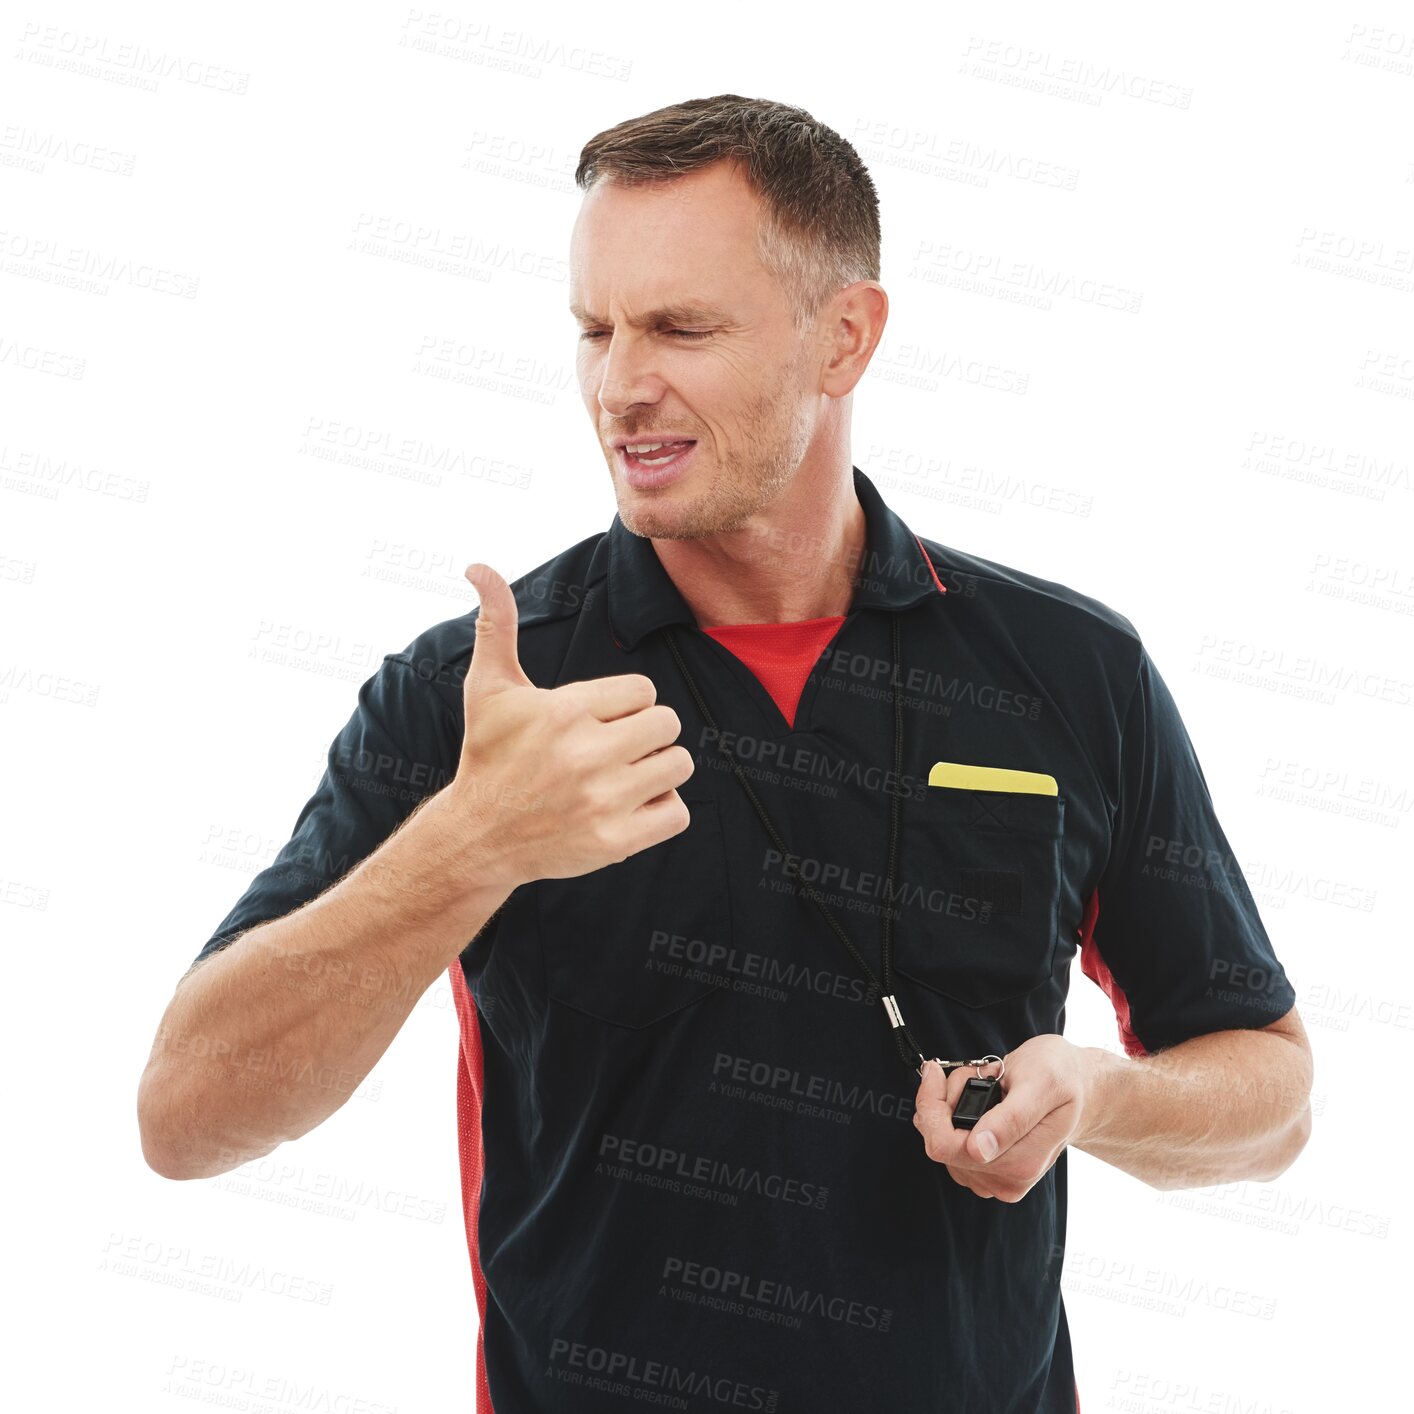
978 1096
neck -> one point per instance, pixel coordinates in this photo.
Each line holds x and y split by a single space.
796 559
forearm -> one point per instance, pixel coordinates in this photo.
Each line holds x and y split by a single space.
268 1037
1218 1108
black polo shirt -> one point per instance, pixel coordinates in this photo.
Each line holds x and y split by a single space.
690 1172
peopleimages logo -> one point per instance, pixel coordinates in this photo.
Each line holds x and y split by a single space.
782 1082
754 973
620 1372
777 1302
663 1163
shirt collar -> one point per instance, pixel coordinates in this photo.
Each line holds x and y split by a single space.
895 572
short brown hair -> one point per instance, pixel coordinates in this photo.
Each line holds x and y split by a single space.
821 228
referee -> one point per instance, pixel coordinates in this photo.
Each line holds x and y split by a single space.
758 835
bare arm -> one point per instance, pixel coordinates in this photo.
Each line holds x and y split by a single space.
1220 1107
1217 1108
265 1039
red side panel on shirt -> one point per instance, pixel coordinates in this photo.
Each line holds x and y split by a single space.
470 1088
1093 966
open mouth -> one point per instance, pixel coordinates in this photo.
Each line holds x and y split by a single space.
654 463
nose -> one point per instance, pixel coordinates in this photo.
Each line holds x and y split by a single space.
626 378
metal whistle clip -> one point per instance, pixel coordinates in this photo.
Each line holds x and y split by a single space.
951 1065
979 1094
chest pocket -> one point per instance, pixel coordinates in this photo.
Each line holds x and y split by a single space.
636 941
987 864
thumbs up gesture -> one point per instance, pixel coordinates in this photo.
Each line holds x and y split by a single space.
561 781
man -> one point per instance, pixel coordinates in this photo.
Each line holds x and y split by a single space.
717 817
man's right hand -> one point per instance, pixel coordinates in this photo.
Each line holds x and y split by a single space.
564 780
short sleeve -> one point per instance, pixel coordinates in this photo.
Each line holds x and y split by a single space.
399 746
1175 937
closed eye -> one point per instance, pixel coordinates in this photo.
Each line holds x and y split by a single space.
688 334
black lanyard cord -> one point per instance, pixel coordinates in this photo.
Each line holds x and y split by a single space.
907 1047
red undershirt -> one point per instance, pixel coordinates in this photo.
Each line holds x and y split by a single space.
780 654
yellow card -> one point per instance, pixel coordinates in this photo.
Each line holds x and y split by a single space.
954 773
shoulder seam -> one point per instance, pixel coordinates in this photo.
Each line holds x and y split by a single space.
933 547
403 661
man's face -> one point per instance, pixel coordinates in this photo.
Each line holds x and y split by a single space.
685 335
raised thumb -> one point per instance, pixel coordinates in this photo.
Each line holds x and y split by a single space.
494 663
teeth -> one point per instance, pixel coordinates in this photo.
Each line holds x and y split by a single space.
640 450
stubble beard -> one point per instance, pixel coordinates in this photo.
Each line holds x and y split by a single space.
739 486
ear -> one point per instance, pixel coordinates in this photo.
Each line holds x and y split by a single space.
849 328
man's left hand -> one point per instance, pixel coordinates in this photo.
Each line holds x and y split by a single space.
1047 1086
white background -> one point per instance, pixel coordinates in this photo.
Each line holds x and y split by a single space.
191 593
